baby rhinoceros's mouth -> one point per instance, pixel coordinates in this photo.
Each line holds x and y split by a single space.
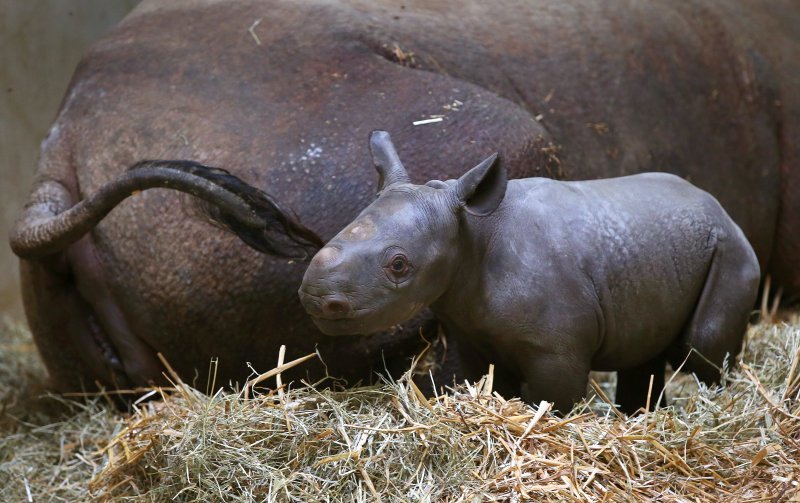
326 306
333 313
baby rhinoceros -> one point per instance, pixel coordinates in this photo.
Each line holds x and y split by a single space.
546 279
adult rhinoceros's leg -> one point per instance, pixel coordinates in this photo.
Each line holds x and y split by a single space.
718 323
60 320
784 264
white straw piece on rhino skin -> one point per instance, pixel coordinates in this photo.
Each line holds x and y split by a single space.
427 121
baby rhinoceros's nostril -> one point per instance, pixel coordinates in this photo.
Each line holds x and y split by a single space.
335 306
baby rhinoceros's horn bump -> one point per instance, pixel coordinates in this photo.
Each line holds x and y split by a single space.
360 230
326 256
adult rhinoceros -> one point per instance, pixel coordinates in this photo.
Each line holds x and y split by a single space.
283 94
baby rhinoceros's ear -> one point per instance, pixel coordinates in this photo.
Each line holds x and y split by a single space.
481 189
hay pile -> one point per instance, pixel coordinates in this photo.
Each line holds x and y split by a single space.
47 445
388 443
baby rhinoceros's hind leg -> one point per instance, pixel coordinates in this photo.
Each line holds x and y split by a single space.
719 320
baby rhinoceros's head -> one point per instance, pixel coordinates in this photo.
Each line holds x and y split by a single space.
401 253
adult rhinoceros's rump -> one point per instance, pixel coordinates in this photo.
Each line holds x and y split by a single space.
548 279
283 94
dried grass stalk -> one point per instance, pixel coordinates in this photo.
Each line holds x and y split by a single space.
389 443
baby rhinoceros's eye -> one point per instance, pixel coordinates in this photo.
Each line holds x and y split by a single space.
398 267
399 264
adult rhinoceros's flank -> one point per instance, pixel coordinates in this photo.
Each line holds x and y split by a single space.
282 94
548 279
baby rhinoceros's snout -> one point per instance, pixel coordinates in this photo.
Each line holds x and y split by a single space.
332 306
317 297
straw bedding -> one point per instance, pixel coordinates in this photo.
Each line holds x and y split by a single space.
388 443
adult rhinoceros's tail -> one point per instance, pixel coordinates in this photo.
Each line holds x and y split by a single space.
50 222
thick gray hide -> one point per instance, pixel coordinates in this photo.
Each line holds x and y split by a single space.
546 279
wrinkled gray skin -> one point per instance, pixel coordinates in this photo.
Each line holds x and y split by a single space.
283 93
547 279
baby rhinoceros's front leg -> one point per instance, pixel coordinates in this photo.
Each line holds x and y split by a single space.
546 279
557 378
